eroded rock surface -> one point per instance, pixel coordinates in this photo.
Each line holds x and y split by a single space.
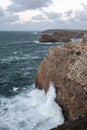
66 66
47 38
60 35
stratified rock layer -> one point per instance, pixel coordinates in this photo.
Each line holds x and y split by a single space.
66 66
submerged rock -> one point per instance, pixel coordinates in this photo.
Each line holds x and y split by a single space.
66 67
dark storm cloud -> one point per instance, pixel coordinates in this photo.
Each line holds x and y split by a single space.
1 12
22 5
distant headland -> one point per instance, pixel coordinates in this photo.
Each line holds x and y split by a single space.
62 35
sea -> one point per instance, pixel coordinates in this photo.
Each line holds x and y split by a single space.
22 105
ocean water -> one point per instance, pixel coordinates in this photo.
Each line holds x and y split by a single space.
22 106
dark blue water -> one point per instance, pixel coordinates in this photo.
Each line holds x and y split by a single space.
20 56
22 107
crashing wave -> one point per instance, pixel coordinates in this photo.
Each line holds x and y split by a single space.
34 110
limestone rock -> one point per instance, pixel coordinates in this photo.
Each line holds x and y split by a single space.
66 66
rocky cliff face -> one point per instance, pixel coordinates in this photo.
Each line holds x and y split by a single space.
66 66
47 38
60 36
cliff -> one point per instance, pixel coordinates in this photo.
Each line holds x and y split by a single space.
61 35
66 66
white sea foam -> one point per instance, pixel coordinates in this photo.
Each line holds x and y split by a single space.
15 58
34 110
15 89
18 58
36 41
35 32
45 43
76 39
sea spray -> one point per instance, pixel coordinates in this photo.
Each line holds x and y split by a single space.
34 110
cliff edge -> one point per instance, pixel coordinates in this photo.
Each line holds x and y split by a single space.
66 66
53 35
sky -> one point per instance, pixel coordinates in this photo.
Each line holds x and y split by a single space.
38 15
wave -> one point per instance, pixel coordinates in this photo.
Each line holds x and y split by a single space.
47 43
35 33
76 39
19 58
36 41
34 110
44 43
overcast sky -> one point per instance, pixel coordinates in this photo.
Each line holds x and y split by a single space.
31 15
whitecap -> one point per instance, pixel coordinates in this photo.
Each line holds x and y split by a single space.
45 43
36 41
34 110
76 39
35 33
35 57
15 89
16 58
26 73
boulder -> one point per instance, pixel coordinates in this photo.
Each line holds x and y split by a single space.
66 67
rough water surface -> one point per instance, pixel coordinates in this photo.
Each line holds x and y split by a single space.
22 107
34 110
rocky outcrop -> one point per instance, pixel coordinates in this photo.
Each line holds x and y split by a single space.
60 35
66 66
46 38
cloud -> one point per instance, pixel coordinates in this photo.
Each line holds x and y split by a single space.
38 17
9 18
84 6
43 25
22 5
47 16
53 15
68 13
1 12
81 15
40 20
